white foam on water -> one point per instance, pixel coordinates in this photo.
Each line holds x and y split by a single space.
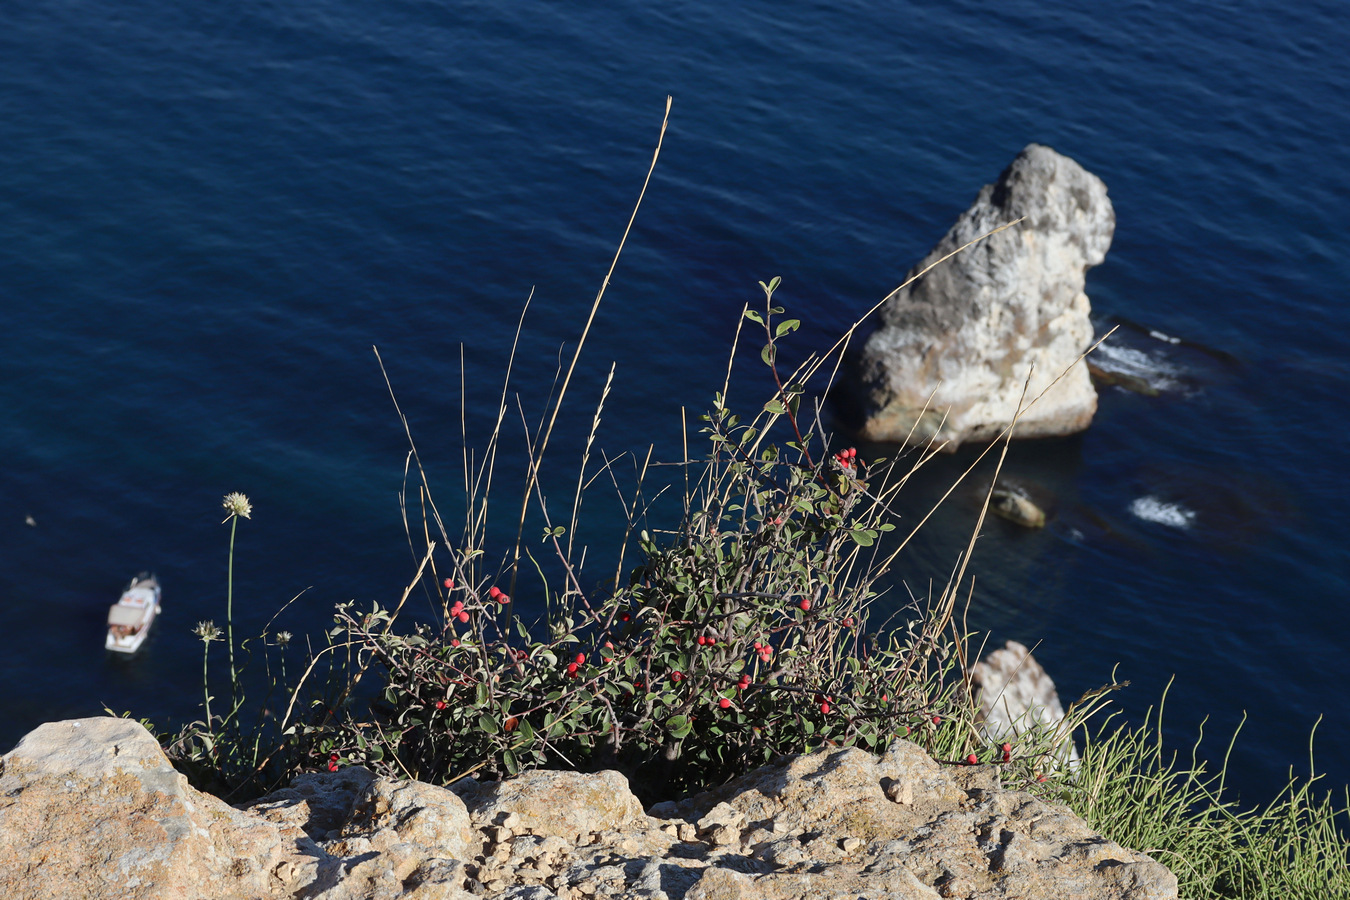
1159 336
1160 374
1173 515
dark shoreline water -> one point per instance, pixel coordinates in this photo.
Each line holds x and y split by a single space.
209 217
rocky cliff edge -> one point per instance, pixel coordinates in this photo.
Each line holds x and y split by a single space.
91 808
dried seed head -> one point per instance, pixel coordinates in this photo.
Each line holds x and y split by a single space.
207 631
236 504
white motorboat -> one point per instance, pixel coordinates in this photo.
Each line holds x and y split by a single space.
130 618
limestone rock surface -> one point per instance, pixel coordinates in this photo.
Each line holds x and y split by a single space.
557 803
844 824
92 809
1014 692
953 350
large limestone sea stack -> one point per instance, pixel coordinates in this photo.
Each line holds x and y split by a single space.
952 353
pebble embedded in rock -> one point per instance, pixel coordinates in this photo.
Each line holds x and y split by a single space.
724 835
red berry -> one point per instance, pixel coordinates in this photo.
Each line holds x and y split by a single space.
494 592
332 765
1007 748
625 617
825 708
581 659
972 759
848 622
724 703
440 704
571 668
885 697
937 720
677 677
805 604
1040 778
758 645
454 642
702 640
449 584
503 599
463 616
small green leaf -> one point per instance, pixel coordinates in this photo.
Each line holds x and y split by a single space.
678 726
511 763
754 316
787 326
773 406
767 354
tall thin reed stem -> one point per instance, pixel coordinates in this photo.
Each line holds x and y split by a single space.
236 505
206 687
229 616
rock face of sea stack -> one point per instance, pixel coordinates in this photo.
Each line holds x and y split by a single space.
961 339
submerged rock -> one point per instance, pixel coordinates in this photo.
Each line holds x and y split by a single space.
92 809
1015 506
1111 378
954 349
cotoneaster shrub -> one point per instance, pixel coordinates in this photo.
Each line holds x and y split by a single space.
742 634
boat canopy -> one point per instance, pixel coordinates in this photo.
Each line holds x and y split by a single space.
138 596
125 615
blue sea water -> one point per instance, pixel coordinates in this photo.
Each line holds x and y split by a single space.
209 215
